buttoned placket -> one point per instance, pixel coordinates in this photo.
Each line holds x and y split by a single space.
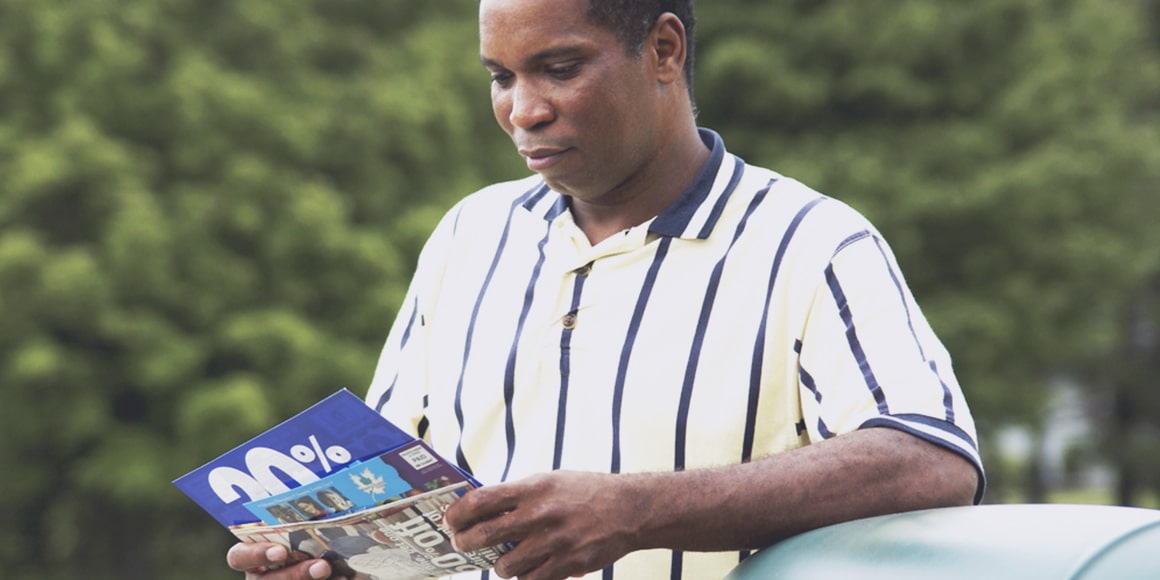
585 257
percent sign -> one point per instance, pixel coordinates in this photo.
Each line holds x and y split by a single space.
307 453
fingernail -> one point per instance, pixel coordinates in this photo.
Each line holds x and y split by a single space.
319 570
276 554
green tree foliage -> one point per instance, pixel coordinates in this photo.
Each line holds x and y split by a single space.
210 210
1008 149
208 217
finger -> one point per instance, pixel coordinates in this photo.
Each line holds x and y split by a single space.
549 556
256 559
308 570
481 504
489 532
512 565
250 556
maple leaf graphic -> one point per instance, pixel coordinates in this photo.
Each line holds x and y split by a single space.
369 483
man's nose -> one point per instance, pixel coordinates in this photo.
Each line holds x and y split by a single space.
530 107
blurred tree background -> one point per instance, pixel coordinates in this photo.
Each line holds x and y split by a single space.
209 211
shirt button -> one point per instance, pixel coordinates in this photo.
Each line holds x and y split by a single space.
569 321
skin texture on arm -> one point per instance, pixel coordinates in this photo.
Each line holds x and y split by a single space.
568 523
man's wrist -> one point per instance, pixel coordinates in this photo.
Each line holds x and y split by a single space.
644 515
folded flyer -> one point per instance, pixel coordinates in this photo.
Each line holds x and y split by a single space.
410 469
403 540
338 481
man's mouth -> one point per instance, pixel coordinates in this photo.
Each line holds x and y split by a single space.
541 158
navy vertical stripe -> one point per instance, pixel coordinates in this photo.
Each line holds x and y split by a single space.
680 444
424 423
759 343
677 561
812 386
386 396
509 374
719 207
455 224
852 339
540 191
807 380
948 402
694 359
460 458
901 295
566 369
625 351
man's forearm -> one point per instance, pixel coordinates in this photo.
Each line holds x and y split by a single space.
861 474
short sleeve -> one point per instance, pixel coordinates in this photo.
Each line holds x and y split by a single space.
868 358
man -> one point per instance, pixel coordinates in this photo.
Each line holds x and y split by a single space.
656 356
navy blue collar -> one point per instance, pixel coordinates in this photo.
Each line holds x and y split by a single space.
676 219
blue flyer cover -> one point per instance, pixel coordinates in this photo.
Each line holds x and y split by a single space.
362 485
315 443
408 470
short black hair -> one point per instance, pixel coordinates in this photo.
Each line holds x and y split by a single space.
632 20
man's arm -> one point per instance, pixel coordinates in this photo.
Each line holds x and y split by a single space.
568 523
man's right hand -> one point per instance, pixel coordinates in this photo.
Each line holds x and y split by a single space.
256 559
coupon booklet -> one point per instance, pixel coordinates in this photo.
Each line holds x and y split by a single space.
340 482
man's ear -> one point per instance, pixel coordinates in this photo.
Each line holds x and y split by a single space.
667 41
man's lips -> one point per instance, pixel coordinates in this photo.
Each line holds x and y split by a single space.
541 158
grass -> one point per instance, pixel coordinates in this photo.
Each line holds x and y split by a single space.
1099 496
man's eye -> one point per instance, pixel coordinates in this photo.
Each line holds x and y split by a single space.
564 72
501 79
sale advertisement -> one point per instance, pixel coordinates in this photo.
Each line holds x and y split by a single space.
339 481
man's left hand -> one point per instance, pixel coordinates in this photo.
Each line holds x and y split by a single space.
563 523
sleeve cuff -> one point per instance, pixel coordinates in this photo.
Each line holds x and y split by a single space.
939 432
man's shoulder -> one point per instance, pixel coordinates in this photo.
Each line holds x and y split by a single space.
807 225
490 208
504 194
496 199
803 201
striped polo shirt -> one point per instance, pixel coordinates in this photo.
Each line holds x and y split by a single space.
752 316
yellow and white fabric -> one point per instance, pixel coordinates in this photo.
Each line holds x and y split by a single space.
753 316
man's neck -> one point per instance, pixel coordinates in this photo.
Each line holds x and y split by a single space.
647 193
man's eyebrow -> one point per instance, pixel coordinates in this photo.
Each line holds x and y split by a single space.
546 54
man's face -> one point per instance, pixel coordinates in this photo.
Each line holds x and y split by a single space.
582 111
